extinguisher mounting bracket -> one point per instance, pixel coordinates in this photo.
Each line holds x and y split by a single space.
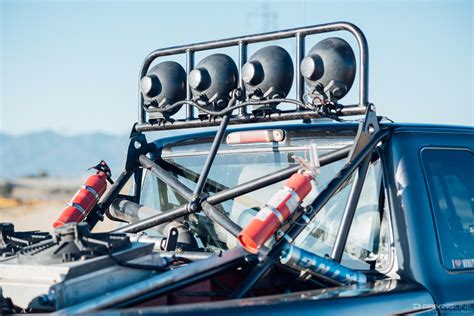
103 167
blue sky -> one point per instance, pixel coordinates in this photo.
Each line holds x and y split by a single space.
72 66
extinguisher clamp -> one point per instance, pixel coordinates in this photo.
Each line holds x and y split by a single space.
103 167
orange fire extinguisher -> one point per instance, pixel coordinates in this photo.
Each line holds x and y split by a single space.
274 214
86 197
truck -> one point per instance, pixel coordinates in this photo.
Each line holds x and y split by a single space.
260 203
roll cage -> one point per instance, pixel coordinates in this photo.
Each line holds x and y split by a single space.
359 154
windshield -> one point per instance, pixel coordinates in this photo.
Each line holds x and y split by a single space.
229 169
368 240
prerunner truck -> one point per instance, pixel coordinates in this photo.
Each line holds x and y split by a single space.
258 201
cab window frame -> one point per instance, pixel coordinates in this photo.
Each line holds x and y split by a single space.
431 195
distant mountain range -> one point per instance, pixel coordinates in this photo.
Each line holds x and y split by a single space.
52 154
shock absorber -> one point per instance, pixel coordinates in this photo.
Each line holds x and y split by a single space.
87 197
303 260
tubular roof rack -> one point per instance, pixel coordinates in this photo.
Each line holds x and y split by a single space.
304 110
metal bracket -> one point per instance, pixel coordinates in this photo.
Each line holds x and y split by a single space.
137 146
172 240
103 167
304 275
366 131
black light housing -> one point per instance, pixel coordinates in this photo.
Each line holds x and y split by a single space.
164 85
329 69
268 74
213 80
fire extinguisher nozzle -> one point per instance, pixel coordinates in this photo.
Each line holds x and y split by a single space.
58 223
248 244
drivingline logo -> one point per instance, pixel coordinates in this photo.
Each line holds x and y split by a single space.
458 308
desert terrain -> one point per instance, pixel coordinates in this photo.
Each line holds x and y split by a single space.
35 203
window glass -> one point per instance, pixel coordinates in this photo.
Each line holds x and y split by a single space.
449 175
228 170
368 241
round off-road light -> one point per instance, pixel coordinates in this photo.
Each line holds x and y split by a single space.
329 69
213 80
164 85
268 74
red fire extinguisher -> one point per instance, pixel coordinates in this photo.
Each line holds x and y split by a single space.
87 197
272 216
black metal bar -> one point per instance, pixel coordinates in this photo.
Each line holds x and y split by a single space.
274 117
300 224
155 220
160 284
242 60
189 67
298 77
221 219
332 187
190 255
348 215
97 213
208 209
274 177
137 184
141 111
211 156
257 273
166 177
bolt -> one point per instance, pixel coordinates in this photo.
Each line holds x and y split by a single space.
221 103
371 129
192 207
238 94
279 234
337 92
137 144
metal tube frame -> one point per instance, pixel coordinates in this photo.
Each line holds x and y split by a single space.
208 209
349 211
275 117
189 95
242 61
210 157
242 42
269 258
137 185
152 287
300 47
